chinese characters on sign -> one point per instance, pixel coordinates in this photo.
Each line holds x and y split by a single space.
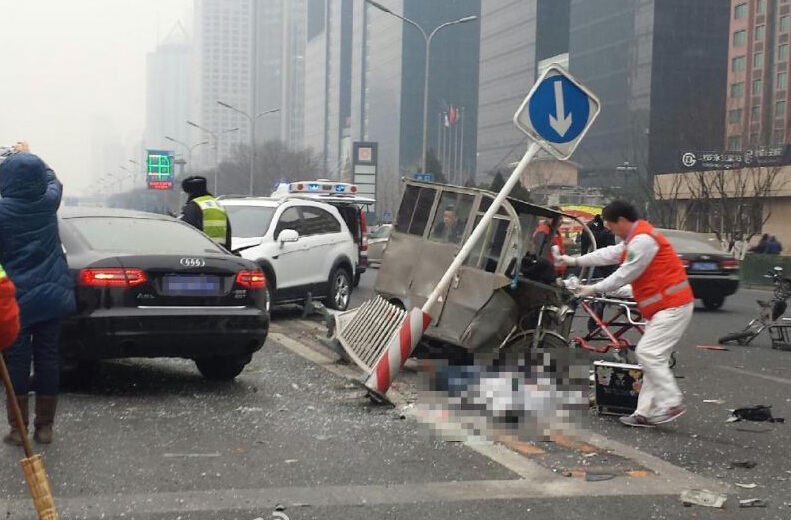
159 169
770 156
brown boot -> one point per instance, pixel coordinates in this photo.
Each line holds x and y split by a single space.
45 418
14 437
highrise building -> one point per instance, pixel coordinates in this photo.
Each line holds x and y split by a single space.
659 68
517 37
280 71
388 73
250 54
168 90
758 66
328 81
224 72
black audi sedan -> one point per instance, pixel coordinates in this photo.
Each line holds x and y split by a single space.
152 286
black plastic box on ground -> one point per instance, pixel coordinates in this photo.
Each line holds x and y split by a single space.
617 387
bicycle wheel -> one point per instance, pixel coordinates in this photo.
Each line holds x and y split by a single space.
552 354
742 337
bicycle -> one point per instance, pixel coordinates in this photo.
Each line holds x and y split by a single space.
769 310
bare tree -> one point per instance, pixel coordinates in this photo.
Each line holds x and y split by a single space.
730 203
274 163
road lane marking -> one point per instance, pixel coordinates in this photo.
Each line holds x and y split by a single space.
539 485
512 456
774 379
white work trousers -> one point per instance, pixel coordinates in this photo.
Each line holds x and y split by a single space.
664 329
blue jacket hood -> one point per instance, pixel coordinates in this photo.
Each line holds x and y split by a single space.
23 176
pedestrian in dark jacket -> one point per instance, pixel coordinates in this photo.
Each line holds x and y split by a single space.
760 247
773 246
33 258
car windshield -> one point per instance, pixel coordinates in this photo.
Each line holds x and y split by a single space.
249 221
141 236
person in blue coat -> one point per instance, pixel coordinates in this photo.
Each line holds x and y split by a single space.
34 260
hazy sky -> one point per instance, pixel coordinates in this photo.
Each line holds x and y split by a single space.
64 61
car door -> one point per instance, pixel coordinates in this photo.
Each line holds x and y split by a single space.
322 235
290 259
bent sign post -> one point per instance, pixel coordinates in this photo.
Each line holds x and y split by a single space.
556 114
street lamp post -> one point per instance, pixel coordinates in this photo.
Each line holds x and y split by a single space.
427 38
215 140
251 119
188 148
625 168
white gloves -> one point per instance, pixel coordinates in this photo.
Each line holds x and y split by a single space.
566 260
583 291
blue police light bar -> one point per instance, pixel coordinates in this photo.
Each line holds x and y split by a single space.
340 188
313 187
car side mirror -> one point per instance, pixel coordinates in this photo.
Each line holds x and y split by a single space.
287 235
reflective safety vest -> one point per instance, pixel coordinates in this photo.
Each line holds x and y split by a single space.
663 285
215 219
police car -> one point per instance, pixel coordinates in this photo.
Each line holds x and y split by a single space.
302 245
350 204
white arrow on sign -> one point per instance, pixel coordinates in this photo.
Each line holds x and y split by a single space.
561 123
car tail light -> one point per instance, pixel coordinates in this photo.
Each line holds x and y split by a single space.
251 279
112 277
729 263
363 231
685 263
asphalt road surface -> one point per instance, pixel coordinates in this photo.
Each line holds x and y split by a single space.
293 438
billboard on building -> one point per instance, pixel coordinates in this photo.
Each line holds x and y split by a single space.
768 156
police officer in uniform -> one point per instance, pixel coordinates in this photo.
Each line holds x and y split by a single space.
204 212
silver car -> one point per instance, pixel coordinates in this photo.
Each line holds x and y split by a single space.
377 242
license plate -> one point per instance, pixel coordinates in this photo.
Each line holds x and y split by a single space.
191 285
705 266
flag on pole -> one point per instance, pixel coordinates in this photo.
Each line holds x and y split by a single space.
452 116
447 122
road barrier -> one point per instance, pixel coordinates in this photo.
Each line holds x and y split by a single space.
754 266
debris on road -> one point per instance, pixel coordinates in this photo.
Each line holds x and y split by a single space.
702 497
749 464
598 477
714 401
712 347
747 486
752 502
758 413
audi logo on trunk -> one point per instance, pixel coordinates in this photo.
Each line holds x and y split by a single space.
192 262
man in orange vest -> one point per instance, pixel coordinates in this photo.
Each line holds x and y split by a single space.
541 236
664 297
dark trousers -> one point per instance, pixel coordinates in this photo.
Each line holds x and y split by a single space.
38 343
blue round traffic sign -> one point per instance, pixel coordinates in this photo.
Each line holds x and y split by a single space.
559 110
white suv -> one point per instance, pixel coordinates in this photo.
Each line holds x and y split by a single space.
302 246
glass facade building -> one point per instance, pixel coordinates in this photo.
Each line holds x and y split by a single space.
659 68
515 36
